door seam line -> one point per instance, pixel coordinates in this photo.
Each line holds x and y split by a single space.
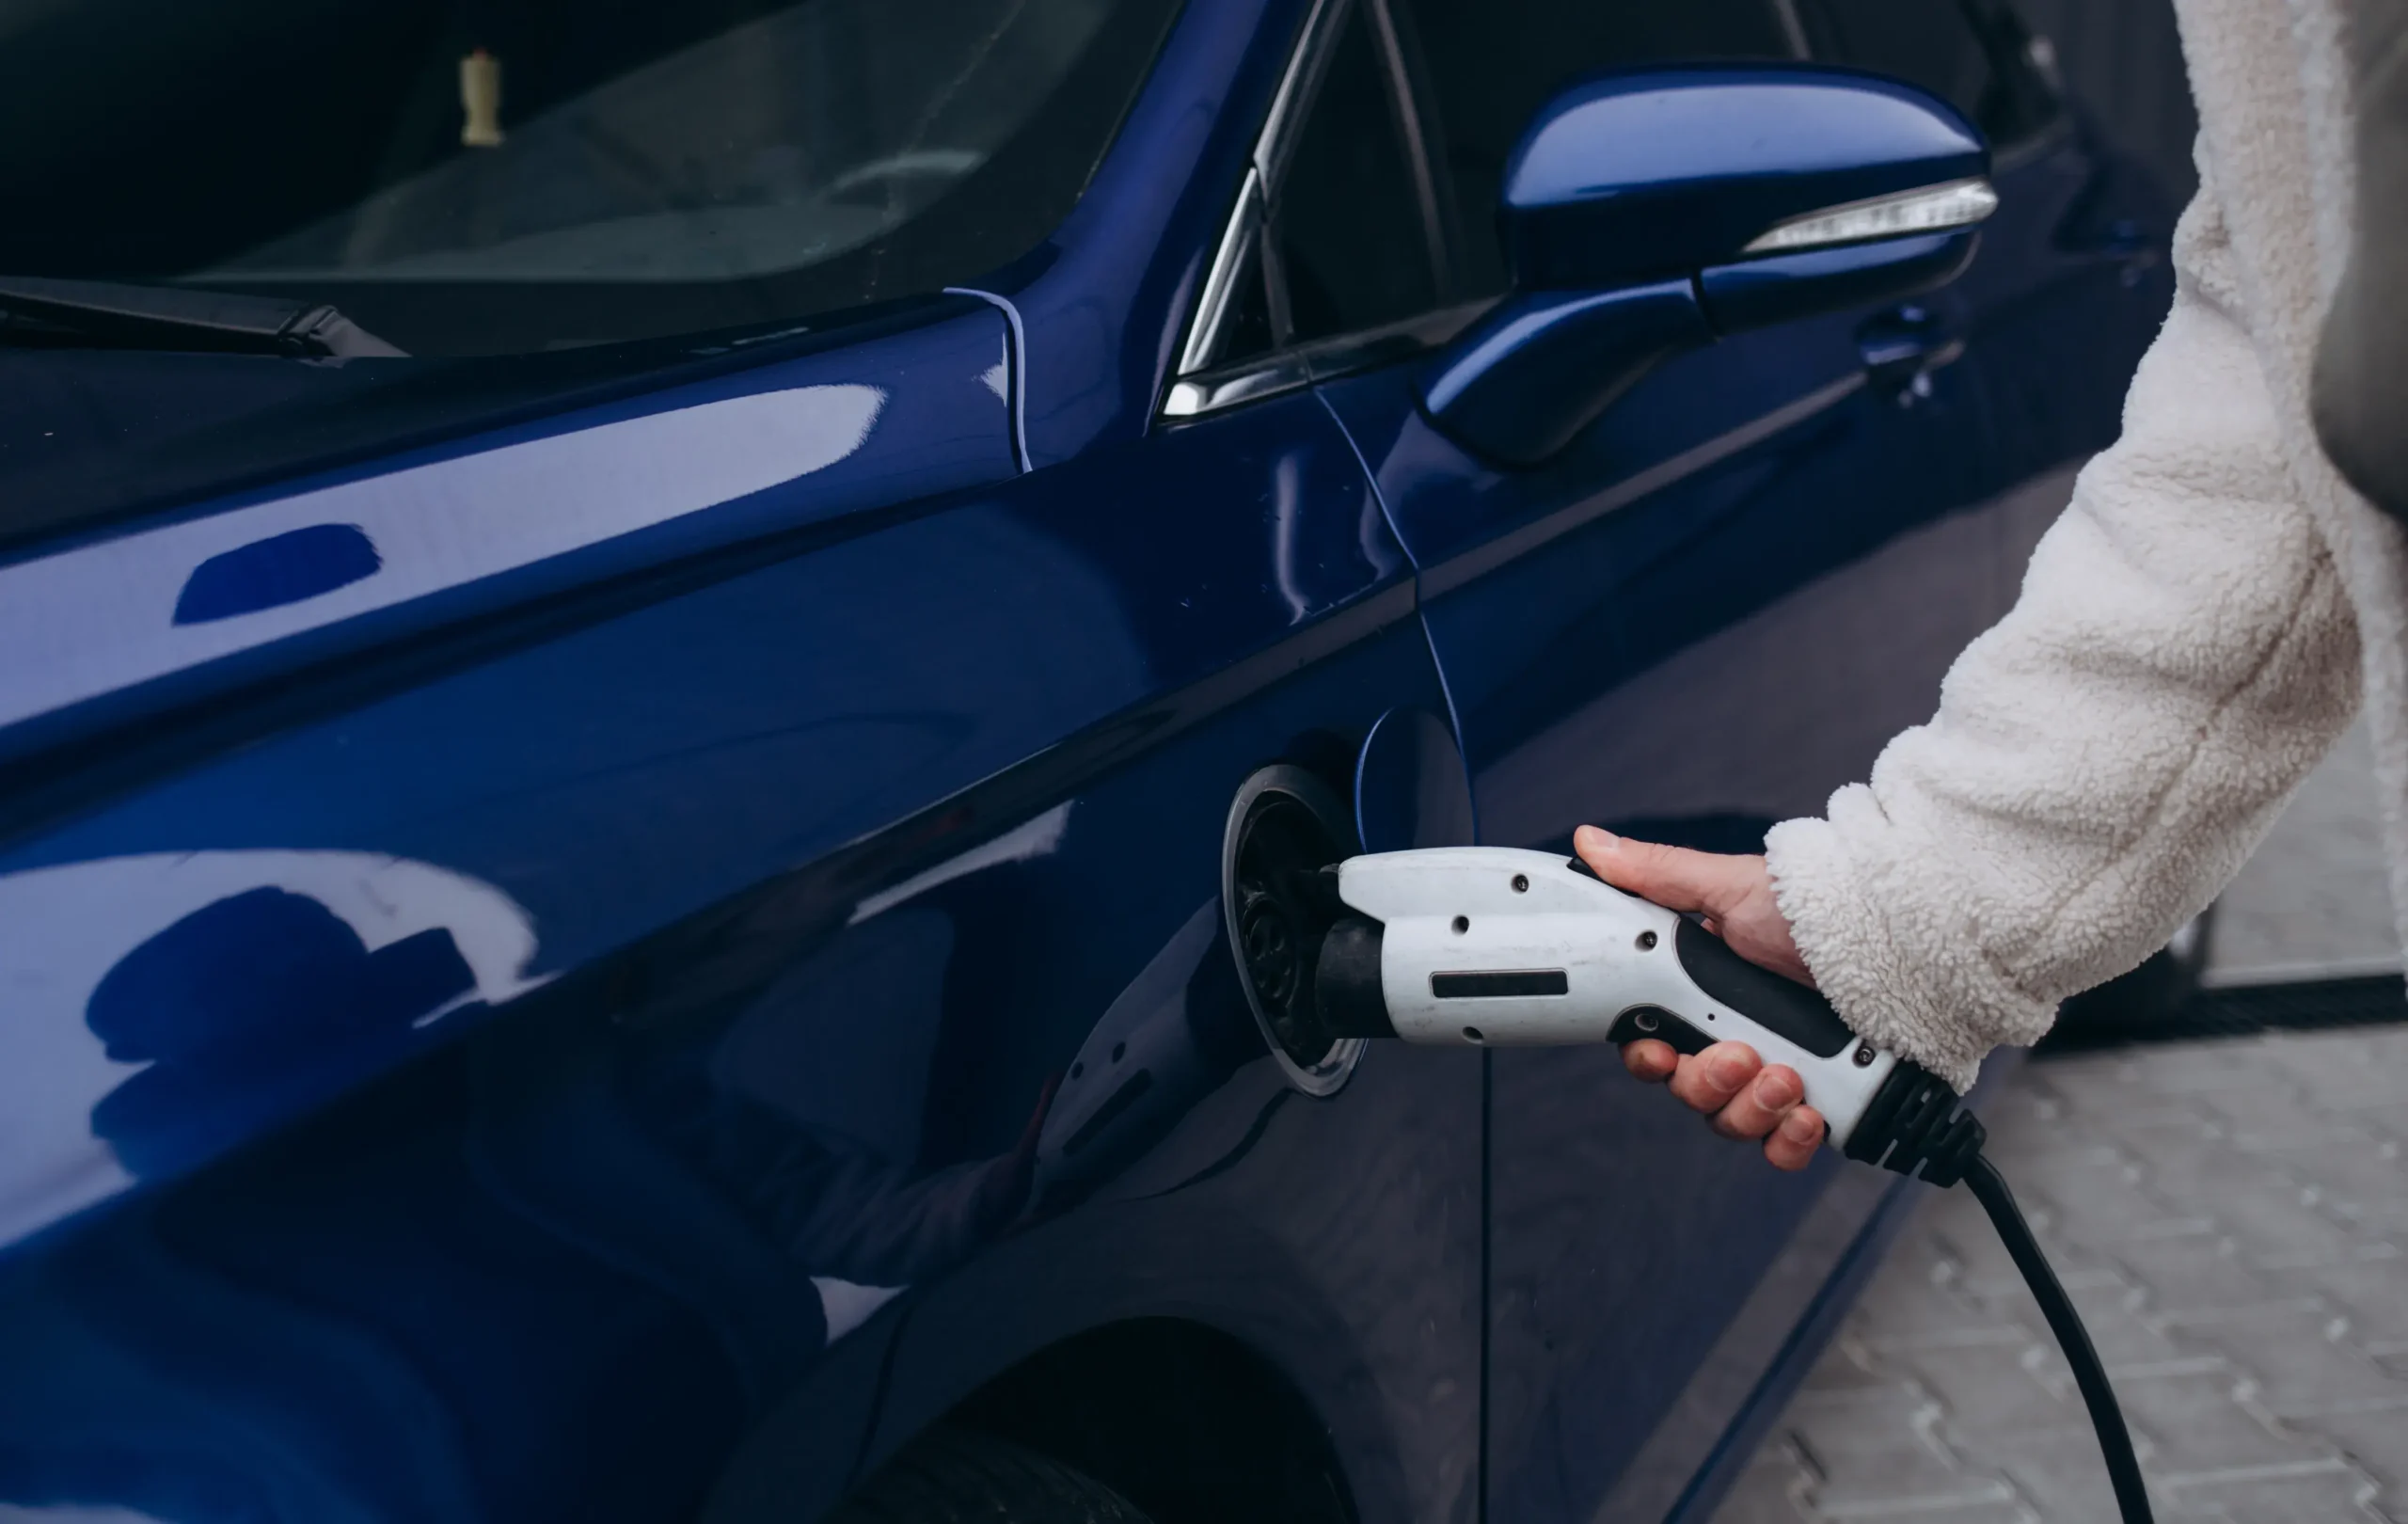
1420 613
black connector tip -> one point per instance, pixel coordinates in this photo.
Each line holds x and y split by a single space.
1346 981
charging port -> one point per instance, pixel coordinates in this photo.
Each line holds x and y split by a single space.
1284 828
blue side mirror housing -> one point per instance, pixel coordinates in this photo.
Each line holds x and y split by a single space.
1653 211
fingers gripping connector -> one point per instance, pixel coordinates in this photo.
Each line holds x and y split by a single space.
1913 1123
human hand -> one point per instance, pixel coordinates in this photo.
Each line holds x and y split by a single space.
1740 1096
1734 894
1728 1083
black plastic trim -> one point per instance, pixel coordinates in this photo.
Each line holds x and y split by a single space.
1346 981
1782 1006
1500 984
1642 1021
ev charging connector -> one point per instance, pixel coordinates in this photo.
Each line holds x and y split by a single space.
1488 946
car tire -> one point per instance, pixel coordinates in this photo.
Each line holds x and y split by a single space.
2150 1000
960 1476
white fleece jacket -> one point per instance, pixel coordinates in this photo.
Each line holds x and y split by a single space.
2191 635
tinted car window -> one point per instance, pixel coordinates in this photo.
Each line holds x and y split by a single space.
1492 64
1976 57
1348 225
1249 332
524 175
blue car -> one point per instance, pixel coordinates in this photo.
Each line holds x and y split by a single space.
673 678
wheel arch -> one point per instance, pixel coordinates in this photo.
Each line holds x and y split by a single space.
1188 1421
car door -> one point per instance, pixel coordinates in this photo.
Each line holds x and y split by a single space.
1707 612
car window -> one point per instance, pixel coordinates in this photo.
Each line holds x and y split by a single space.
1976 57
1250 333
525 175
1347 224
1348 246
1491 64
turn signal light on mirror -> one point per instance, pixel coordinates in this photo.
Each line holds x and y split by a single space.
1960 203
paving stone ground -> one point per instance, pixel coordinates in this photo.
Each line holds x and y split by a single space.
2232 1218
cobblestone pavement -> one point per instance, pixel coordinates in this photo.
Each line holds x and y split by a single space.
2232 1218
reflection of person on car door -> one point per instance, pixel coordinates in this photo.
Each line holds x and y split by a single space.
2193 634
249 1009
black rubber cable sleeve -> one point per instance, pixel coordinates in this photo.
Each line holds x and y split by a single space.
2115 1440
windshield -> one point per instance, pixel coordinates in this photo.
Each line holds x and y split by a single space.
466 177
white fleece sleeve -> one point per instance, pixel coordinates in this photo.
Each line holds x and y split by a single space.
2105 757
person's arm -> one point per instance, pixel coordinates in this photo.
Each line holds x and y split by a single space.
2101 762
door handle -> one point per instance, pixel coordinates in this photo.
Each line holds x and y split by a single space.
1901 348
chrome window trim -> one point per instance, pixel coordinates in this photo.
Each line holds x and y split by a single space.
1417 148
1281 126
1284 123
1286 370
1199 387
1193 396
1213 302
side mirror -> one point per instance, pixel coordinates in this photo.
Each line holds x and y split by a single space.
1650 211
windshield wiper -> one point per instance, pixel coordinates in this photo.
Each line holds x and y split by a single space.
36 310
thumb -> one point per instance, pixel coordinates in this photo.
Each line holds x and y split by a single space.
1675 877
